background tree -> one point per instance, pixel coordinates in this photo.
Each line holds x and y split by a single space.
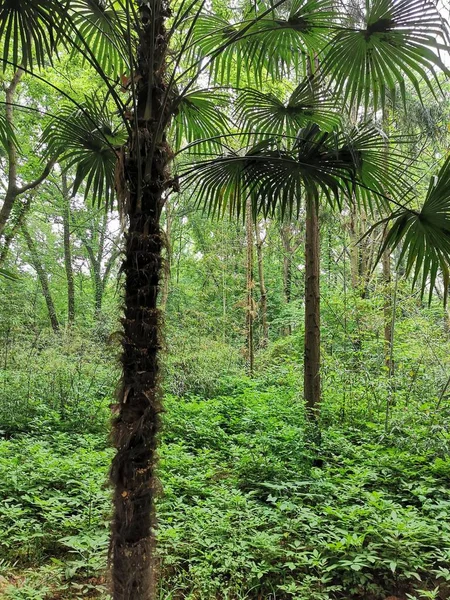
134 157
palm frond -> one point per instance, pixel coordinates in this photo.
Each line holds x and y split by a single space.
400 39
30 30
425 236
87 140
102 27
267 114
200 119
276 43
319 163
383 173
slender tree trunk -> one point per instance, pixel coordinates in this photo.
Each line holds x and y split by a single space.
98 292
354 233
312 310
96 274
262 285
387 310
387 277
364 259
250 285
286 235
42 275
68 251
12 232
13 190
96 253
100 282
136 426
168 261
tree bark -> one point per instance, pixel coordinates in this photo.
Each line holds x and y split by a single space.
145 179
95 247
68 251
250 285
286 236
387 311
9 237
312 310
42 275
262 286
168 260
13 190
354 231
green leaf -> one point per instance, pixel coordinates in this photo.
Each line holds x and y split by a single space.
30 30
275 41
424 235
319 163
267 114
398 39
86 138
199 119
102 27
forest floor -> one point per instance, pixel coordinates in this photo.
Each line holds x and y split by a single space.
255 504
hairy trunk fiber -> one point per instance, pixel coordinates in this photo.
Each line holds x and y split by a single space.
312 310
42 275
68 252
145 178
262 285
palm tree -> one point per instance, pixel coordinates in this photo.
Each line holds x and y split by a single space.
386 42
121 141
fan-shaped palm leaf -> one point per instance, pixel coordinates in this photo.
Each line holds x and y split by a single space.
318 163
199 119
265 113
399 39
87 139
275 43
425 235
102 27
30 30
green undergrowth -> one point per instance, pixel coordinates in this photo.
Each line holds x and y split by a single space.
255 504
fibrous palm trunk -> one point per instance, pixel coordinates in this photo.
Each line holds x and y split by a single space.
312 310
145 177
